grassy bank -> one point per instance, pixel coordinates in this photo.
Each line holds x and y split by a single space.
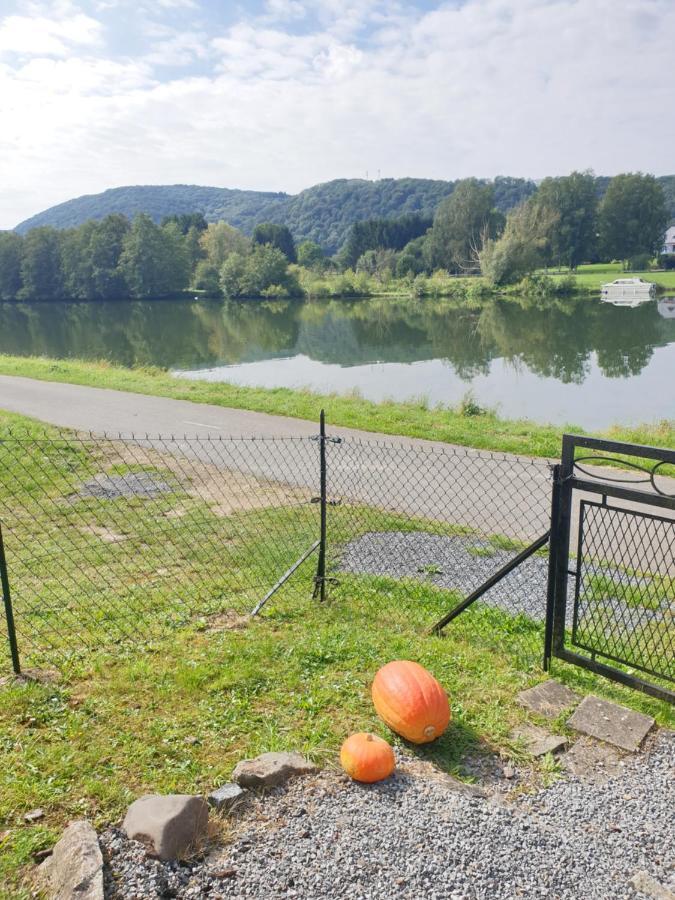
174 710
459 426
592 277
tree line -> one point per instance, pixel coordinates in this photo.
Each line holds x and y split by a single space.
563 223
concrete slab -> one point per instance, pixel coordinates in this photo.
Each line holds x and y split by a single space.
593 761
538 741
550 698
609 722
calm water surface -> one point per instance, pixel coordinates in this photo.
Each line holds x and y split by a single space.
574 361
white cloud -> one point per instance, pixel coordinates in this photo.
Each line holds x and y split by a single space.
523 87
42 34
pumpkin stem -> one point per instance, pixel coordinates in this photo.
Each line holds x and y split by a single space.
369 737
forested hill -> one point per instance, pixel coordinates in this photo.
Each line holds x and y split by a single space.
323 213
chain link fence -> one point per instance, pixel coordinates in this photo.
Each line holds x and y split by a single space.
113 539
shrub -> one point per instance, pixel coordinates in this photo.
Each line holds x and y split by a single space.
640 262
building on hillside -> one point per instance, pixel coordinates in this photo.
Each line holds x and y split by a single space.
669 241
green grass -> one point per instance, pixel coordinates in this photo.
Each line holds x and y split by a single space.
648 592
594 276
174 708
413 419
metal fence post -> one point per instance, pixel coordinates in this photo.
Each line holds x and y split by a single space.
564 524
320 578
9 614
556 490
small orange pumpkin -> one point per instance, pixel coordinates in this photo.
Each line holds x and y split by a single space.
410 701
367 758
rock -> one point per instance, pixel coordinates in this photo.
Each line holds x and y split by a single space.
538 741
611 723
224 798
645 884
271 769
75 868
34 815
550 698
170 826
509 772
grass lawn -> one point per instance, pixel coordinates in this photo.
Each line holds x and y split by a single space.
594 276
172 708
413 419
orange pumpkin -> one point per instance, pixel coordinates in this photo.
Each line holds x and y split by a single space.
367 758
410 701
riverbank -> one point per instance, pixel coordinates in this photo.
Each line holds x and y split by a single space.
467 425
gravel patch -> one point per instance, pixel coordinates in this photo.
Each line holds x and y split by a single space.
454 562
133 484
462 563
413 837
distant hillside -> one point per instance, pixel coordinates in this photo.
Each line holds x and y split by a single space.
323 213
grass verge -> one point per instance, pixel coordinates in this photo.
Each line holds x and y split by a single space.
484 431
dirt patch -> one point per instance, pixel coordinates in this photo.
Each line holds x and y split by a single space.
229 620
107 535
226 491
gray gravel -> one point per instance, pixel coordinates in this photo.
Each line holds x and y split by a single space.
130 484
456 562
412 837
463 563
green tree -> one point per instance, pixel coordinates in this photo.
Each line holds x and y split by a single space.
520 249
206 278
105 247
76 261
220 240
11 247
573 198
463 222
632 216
411 259
258 272
311 255
154 260
379 263
278 236
41 272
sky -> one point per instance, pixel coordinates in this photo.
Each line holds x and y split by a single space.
282 94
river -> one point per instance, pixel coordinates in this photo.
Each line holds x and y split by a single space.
576 361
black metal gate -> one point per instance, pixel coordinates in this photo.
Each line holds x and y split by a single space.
611 597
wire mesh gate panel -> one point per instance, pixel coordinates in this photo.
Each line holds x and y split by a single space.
613 604
112 538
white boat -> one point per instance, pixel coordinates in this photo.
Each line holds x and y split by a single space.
628 291
666 307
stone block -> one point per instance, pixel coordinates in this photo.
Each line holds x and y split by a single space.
75 868
170 826
538 741
271 769
225 797
609 722
550 698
